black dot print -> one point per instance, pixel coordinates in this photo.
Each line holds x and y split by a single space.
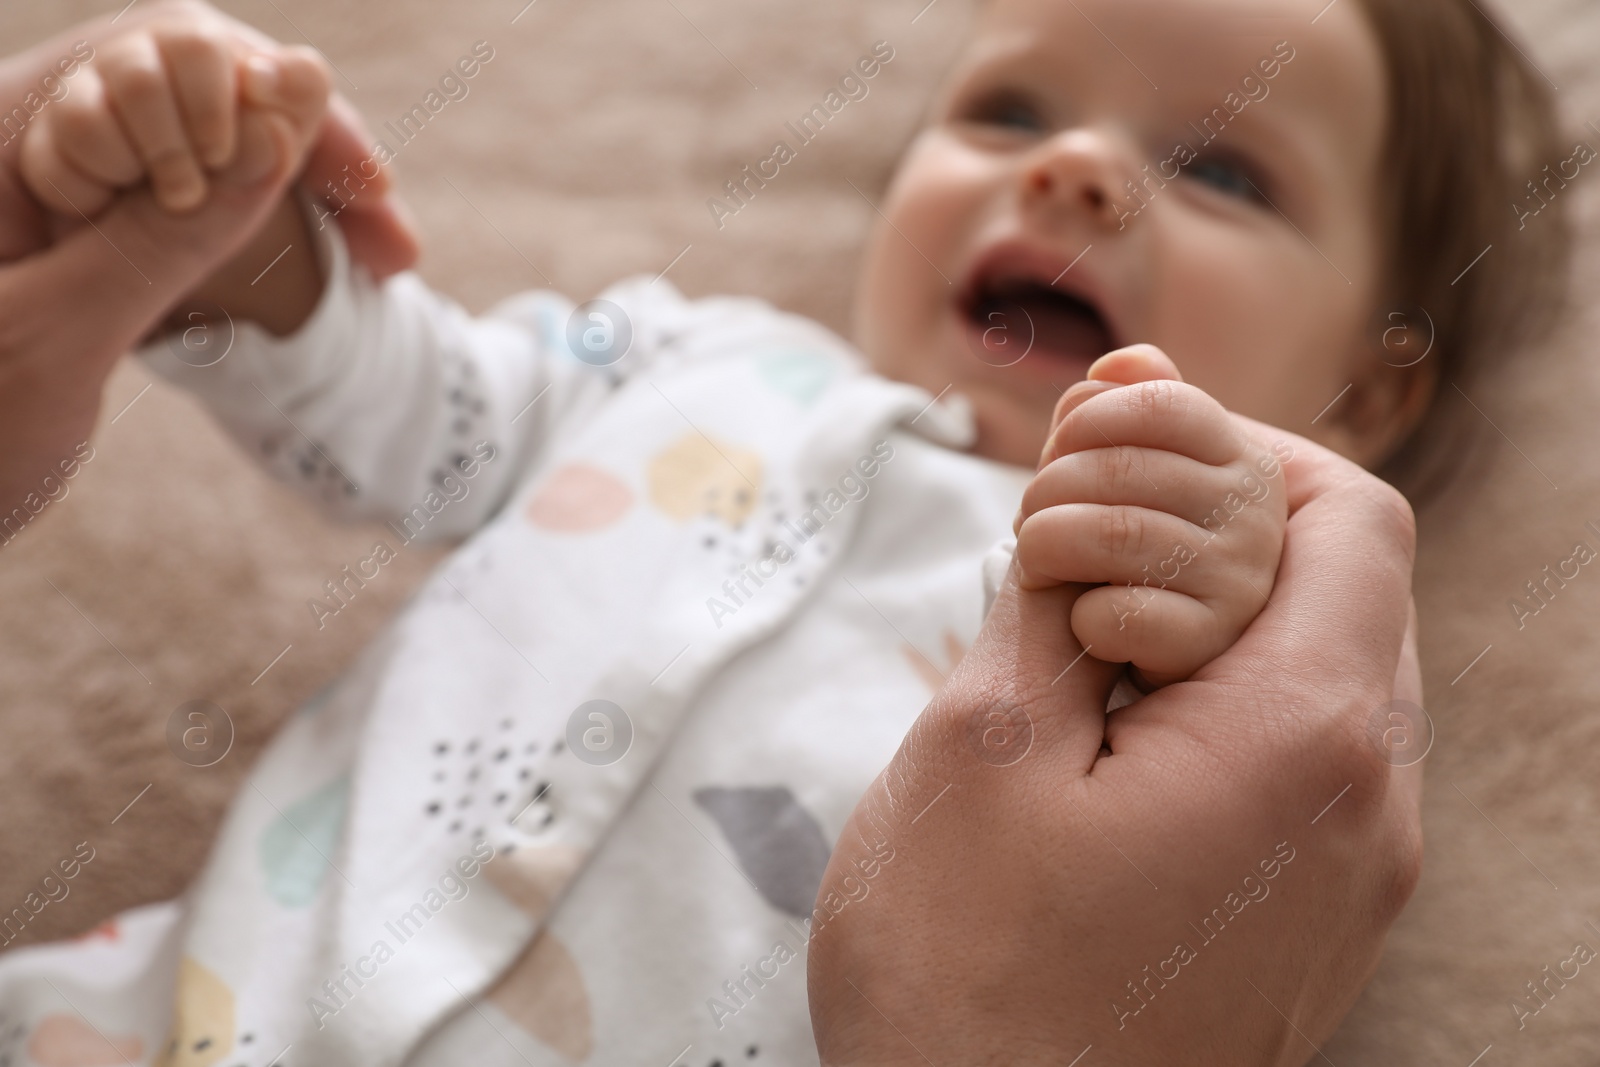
487 775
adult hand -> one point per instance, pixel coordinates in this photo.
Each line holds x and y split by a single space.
1212 887
379 231
69 311
75 298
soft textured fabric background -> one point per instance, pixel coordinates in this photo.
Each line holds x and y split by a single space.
586 151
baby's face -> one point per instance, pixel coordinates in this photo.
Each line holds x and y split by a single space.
1252 259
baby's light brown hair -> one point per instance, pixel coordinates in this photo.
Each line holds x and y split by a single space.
1472 127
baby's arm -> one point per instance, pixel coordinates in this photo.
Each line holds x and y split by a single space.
1180 520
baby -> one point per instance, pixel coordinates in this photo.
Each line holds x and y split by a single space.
710 545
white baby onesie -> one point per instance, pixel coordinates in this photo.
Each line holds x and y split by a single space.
574 804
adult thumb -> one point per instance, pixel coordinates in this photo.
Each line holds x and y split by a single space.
1028 689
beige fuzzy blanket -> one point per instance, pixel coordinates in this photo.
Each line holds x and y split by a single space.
586 150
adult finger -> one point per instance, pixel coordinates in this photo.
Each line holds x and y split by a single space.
139 259
1344 582
345 173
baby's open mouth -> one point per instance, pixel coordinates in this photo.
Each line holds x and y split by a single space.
1012 313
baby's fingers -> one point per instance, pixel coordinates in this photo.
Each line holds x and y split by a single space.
1160 414
137 85
295 84
85 131
1094 543
1150 478
54 181
1134 364
202 72
1125 366
1166 635
285 98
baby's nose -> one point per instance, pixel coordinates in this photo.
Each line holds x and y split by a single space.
1078 170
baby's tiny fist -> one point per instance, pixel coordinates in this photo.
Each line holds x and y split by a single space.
283 102
1156 494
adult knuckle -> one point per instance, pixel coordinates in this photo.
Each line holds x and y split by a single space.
1403 870
1355 756
18 345
1396 513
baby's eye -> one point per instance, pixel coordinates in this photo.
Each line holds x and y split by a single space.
1227 176
1006 109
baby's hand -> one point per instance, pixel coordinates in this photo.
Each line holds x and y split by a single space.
1151 490
177 102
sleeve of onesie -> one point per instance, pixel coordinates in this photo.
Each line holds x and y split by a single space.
391 396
